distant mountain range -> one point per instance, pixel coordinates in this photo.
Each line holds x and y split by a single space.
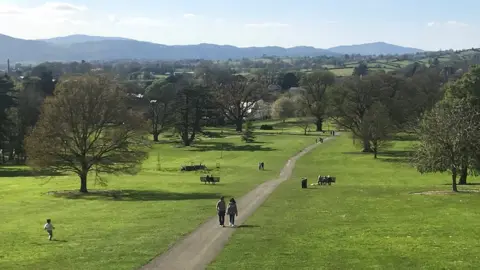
374 48
82 47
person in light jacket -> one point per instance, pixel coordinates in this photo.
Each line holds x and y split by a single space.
232 211
221 207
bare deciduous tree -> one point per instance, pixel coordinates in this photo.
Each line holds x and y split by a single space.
87 127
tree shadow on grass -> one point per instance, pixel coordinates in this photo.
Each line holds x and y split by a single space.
246 226
396 153
223 146
405 137
468 184
134 195
25 172
395 160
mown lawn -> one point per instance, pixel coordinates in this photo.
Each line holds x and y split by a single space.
126 229
369 219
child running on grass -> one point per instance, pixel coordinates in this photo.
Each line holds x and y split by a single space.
49 228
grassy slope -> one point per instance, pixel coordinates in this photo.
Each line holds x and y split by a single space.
368 220
161 206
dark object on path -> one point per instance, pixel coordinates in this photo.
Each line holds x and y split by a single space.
324 180
321 140
304 182
193 168
209 179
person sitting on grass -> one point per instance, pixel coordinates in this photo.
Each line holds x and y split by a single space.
232 211
49 228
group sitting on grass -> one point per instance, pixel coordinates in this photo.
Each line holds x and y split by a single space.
231 210
323 180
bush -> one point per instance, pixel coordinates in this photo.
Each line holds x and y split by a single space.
266 127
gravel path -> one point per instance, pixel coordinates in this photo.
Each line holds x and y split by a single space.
199 248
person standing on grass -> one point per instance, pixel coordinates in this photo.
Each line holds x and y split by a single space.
221 208
49 228
232 211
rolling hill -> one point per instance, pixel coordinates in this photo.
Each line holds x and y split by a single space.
68 40
82 47
375 48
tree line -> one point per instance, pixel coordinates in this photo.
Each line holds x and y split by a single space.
92 122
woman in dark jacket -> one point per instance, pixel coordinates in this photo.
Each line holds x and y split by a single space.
232 211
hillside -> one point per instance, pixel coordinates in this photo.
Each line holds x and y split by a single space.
82 47
375 48
68 40
31 50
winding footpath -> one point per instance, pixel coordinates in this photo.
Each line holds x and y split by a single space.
200 247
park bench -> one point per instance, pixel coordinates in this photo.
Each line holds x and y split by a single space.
193 168
211 180
325 180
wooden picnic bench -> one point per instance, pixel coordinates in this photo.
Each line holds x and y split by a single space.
211 180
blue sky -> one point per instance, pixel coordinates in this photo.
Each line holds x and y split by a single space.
424 24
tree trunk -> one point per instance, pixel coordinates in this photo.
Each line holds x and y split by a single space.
463 176
83 183
375 149
185 138
155 136
239 125
319 124
366 146
454 180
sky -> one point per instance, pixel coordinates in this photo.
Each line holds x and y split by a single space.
423 24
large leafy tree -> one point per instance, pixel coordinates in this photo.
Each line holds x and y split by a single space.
466 88
191 104
6 101
87 127
161 96
351 102
315 86
283 108
236 96
449 139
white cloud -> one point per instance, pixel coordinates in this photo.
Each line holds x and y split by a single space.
142 21
112 18
69 21
9 10
455 23
266 25
189 15
448 23
64 7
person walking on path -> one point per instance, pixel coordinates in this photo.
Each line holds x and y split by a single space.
221 208
232 211
49 228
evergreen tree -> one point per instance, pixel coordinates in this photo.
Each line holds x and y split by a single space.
248 135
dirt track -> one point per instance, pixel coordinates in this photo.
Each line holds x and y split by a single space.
199 248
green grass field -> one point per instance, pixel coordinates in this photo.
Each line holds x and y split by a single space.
367 220
126 230
342 72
